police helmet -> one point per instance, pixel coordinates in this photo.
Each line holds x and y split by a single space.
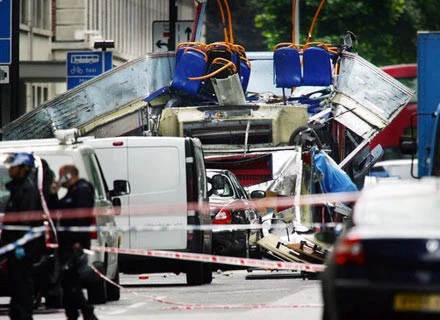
19 159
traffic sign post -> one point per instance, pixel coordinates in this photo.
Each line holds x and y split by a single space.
85 65
161 34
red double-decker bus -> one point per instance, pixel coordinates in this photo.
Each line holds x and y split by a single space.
389 138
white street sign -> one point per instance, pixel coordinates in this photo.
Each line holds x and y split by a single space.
161 34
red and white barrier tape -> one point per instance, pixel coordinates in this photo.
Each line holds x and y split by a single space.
252 263
167 209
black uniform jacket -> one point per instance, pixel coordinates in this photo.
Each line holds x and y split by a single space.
23 208
76 210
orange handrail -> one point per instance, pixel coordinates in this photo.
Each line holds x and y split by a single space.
287 44
205 57
309 36
222 14
198 45
229 64
228 11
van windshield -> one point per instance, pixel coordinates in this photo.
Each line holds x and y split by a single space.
95 176
200 170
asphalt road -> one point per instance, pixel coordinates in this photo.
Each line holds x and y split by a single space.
233 294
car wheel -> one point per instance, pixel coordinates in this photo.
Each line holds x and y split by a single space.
97 293
114 292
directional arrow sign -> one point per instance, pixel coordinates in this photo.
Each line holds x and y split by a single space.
188 33
161 34
161 44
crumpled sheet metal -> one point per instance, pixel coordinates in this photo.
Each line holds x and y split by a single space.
370 94
287 178
119 86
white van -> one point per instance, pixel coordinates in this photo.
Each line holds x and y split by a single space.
167 190
69 151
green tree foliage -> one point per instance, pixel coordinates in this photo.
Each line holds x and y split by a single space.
386 30
243 14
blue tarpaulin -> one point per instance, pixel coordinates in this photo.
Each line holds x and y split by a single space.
333 179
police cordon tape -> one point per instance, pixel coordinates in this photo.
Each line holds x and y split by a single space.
208 227
199 306
36 232
29 236
199 257
178 208
255 263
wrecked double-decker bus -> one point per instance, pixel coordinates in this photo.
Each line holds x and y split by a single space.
271 140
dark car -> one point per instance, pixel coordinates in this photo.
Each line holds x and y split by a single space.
230 204
386 262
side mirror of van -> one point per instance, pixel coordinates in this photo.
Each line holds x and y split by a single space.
120 188
258 194
117 206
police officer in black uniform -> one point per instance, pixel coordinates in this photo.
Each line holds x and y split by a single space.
77 208
24 198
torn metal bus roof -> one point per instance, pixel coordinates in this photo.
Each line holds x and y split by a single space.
367 93
120 87
366 99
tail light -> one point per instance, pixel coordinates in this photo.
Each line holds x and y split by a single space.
222 217
349 251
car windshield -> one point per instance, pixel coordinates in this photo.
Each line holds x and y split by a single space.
404 210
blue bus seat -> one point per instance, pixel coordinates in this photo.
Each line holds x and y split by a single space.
317 69
192 64
183 45
287 67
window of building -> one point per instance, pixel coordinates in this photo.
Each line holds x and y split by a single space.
24 10
41 14
36 13
39 94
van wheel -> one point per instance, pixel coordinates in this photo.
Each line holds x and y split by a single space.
194 275
114 292
199 273
207 273
97 293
